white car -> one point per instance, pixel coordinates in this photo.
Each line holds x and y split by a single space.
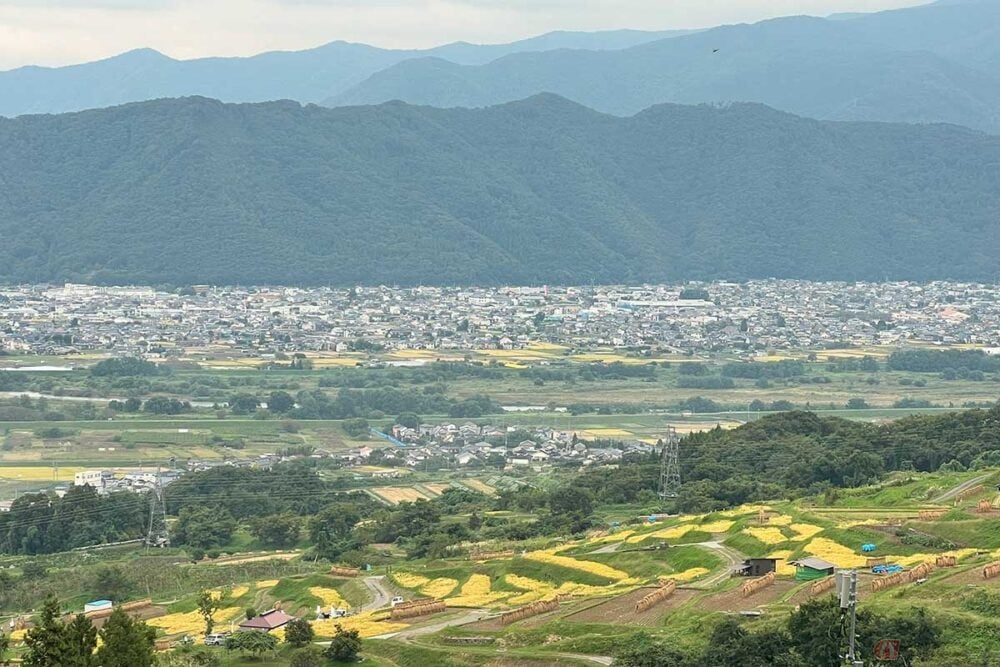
396 600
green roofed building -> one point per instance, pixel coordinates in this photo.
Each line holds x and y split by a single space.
811 568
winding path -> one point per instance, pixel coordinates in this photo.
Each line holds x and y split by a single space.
732 557
381 597
964 486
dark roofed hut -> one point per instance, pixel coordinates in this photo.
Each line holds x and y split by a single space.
757 567
269 620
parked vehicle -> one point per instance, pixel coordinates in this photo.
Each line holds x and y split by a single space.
215 639
397 600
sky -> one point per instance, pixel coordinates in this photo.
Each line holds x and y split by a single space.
60 32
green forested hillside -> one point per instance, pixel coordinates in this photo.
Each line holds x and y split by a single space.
541 190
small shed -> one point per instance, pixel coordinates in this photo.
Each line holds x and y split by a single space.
757 567
811 568
269 620
98 605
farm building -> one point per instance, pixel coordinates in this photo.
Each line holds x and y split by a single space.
808 569
757 567
269 620
97 605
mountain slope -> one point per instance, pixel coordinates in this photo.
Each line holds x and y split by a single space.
541 190
926 64
305 76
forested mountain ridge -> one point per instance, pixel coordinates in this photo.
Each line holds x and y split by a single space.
542 190
934 63
311 75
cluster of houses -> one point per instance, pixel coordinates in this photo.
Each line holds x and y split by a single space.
470 445
269 322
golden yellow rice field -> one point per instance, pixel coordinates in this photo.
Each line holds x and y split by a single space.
398 494
591 567
368 624
783 568
835 553
39 473
477 592
766 535
409 580
721 526
688 575
329 597
439 588
805 531
191 623
673 533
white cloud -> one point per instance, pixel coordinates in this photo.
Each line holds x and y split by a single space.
55 32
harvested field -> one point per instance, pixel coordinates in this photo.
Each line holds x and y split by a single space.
970 577
479 486
398 494
734 601
437 488
621 609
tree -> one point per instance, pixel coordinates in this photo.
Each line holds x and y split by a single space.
277 531
189 656
4 645
208 604
345 645
46 642
298 632
408 420
356 428
280 402
330 530
203 527
244 404
81 640
857 404
641 651
252 642
111 583
126 643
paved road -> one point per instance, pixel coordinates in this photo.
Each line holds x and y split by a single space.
728 554
608 548
964 486
381 597
410 633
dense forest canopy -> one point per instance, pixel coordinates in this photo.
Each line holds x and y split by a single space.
543 190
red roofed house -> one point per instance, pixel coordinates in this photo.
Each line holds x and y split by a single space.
269 620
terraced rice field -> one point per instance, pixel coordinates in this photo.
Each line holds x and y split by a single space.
398 494
479 486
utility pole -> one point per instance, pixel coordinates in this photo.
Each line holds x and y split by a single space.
847 588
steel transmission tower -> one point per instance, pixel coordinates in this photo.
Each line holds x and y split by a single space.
158 535
670 467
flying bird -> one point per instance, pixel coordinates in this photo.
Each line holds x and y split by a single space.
715 50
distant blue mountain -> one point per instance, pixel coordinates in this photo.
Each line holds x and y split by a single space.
933 63
305 76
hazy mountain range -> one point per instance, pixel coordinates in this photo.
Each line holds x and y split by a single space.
542 190
939 62
306 76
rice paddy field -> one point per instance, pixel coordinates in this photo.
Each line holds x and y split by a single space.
598 578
